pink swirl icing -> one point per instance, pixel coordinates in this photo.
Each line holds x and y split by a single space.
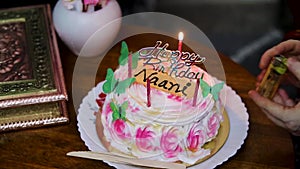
213 125
120 129
107 110
176 98
169 143
145 139
195 139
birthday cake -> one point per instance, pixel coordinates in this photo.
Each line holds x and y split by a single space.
159 105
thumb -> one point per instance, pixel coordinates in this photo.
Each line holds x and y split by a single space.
294 66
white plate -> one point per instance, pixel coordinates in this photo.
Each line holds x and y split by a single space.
234 106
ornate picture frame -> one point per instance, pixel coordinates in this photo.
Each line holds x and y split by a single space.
32 89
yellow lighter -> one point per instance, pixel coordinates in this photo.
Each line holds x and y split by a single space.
273 76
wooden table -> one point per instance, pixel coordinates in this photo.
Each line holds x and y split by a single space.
266 146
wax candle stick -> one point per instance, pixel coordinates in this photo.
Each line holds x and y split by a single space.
180 39
148 93
130 65
196 92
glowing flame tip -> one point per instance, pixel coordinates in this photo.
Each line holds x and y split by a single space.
180 36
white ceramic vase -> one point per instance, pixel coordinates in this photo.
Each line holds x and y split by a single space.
90 33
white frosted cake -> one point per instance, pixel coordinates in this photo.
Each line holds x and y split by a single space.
152 108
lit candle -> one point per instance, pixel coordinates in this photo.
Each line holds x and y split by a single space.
180 39
130 65
148 93
196 92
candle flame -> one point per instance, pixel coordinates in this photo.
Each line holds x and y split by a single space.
180 36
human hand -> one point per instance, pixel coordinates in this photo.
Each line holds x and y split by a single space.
290 48
283 111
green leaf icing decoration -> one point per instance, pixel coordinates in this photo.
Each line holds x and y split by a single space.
110 83
214 90
114 85
135 59
123 110
123 59
119 112
114 108
123 85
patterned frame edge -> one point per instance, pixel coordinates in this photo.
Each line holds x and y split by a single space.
47 82
37 110
46 118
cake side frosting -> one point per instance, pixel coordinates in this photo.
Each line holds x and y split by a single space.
171 129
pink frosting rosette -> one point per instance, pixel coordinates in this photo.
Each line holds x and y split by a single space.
107 111
145 139
196 138
120 129
213 125
170 143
